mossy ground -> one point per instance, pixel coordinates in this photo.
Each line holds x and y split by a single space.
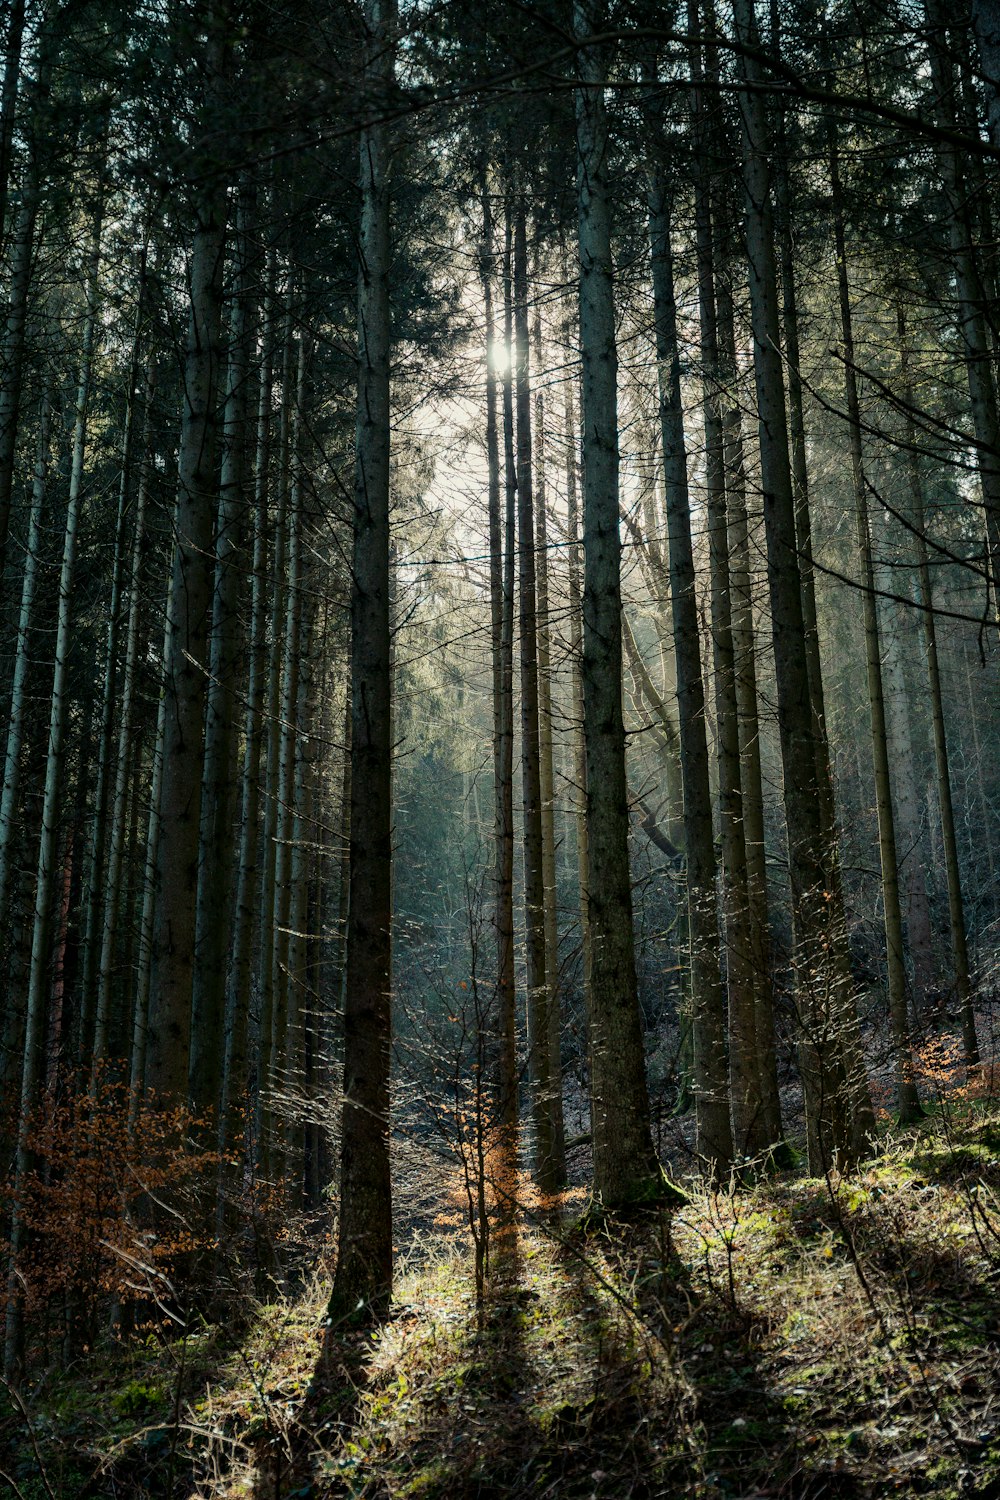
798 1338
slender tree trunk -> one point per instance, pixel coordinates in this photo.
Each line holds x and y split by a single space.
909 800
863 1120
501 522
625 1165
174 957
37 1017
547 781
769 1131
825 1008
961 976
10 802
744 1082
13 350
236 1073
364 1261
575 571
147 919
124 748
714 1136
298 1019
95 883
288 699
539 1062
269 851
213 919
907 1098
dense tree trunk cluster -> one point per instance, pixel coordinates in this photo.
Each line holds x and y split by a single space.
499 528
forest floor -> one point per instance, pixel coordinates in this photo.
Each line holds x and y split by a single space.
797 1338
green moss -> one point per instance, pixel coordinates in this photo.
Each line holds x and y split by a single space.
136 1399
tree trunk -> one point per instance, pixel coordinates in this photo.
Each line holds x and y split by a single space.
501 636
714 1135
825 1004
575 570
236 1075
288 735
539 1062
547 781
147 920
744 1082
907 1098
768 1132
909 800
213 912
124 748
95 883
364 1259
863 1119
269 843
961 978
626 1170
36 1017
10 803
986 23
185 679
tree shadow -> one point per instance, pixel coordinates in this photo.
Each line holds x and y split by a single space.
712 1424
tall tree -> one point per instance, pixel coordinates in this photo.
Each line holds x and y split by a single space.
363 1275
185 682
707 997
625 1164
501 531
825 1003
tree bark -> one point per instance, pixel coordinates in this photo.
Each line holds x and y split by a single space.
625 1165
907 1098
553 1004
961 976
124 748
501 524
236 1075
744 1080
10 801
986 23
909 799
213 913
711 1085
539 1062
185 678
49 863
95 892
825 1004
574 574
364 1258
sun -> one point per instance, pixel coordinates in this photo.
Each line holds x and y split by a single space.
500 357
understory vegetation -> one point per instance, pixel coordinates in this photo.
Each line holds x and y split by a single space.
791 1336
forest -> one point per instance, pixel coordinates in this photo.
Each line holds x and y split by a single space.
499 605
